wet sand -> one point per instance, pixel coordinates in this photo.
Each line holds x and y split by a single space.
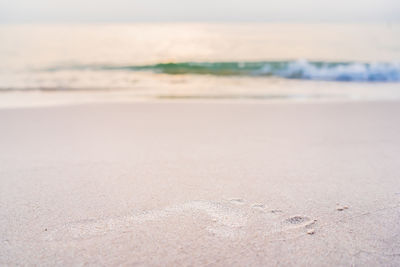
201 183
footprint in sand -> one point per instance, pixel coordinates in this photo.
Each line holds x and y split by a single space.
228 219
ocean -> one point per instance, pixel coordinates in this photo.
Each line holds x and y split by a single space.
205 60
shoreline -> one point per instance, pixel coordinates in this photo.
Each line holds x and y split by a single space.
38 98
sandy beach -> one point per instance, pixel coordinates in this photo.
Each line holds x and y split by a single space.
222 184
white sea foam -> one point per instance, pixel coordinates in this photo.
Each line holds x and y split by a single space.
374 72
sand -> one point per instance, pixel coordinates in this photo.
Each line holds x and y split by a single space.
198 184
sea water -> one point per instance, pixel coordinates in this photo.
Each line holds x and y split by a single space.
203 60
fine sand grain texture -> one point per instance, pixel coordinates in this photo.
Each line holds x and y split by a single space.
220 184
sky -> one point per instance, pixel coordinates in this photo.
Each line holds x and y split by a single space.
15 11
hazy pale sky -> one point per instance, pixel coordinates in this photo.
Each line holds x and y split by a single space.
199 10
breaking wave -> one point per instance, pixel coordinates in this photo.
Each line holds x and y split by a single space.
299 69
